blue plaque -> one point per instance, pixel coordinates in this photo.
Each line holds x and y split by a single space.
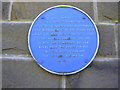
63 40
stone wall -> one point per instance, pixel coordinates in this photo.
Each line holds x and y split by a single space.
19 70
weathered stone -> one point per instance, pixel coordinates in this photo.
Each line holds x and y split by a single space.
108 11
107 40
118 11
100 74
15 36
5 10
29 10
27 74
119 40
0 11
23 72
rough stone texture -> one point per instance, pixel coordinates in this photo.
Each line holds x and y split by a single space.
14 36
24 73
27 74
98 75
0 10
29 10
107 40
5 10
119 40
108 11
119 11
19 70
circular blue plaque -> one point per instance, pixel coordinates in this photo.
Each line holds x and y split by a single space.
63 40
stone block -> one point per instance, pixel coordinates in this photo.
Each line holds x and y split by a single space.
5 10
108 11
27 74
99 74
107 40
29 10
15 36
119 40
